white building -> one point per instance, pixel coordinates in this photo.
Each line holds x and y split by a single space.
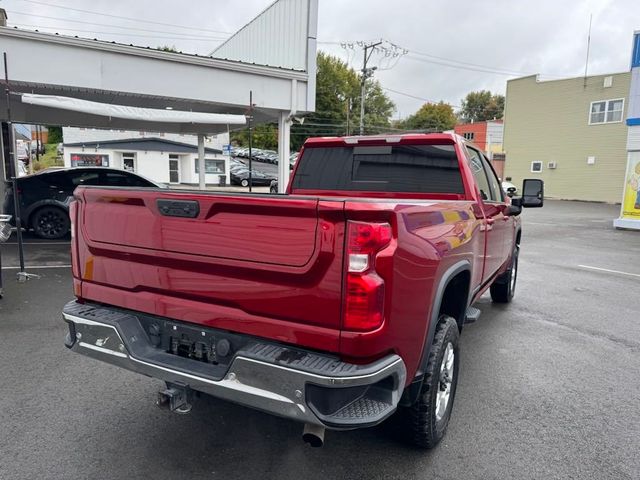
161 157
269 66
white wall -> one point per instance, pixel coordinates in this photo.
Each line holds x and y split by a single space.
154 165
276 37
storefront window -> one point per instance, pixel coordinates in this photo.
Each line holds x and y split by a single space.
89 160
211 166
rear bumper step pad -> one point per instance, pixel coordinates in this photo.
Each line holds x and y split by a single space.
281 380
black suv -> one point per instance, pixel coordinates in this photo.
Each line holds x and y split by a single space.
45 196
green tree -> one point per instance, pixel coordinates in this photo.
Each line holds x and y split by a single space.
265 136
337 98
55 134
431 117
481 106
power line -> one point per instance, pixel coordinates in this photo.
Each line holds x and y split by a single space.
417 97
467 64
120 17
112 26
460 67
122 34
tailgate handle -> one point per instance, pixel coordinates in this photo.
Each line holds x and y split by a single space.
178 208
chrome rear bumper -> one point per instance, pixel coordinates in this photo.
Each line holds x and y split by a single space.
292 383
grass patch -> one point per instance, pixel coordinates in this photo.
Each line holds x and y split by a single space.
50 158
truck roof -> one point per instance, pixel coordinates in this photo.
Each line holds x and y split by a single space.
386 138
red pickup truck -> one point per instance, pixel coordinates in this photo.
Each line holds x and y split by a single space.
338 304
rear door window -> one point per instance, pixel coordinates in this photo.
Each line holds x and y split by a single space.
385 168
121 179
85 178
475 163
494 184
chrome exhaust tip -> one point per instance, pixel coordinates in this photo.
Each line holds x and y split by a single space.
313 435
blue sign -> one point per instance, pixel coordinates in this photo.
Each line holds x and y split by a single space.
635 58
226 149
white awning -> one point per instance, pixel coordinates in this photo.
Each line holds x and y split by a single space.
132 113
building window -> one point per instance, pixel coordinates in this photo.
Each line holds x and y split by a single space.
212 166
606 111
468 135
536 167
129 162
89 160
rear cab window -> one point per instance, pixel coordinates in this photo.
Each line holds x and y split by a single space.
419 169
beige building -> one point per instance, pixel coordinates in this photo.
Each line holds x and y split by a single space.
571 133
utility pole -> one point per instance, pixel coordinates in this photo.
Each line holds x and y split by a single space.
348 120
366 73
586 62
249 119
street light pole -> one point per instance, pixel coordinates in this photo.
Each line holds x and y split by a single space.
366 73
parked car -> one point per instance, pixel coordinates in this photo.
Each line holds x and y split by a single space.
262 157
273 186
36 147
241 152
22 169
241 177
45 196
509 188
339 305
22 150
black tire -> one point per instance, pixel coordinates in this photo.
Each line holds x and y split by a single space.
50 223
421 424
503 288
244 182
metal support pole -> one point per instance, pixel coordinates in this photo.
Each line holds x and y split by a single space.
249 119
201 166
22 275
284 150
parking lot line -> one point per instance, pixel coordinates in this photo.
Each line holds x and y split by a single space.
609 271
36 267
39 243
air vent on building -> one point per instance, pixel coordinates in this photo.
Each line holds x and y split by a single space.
552 165
608 82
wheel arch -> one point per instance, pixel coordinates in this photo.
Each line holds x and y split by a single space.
34 207
452 294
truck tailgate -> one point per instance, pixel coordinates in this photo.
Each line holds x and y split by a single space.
248 263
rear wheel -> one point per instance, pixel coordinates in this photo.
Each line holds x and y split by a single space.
504 287
425 422
50 223
244 182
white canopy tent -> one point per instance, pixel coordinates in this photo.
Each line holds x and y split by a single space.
132 113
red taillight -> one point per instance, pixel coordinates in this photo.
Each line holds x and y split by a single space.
364 296
73 216
368 237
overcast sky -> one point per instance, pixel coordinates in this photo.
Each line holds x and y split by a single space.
514 37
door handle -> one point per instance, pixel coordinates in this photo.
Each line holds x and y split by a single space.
178 208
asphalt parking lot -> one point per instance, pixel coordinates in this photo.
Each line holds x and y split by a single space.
549 386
